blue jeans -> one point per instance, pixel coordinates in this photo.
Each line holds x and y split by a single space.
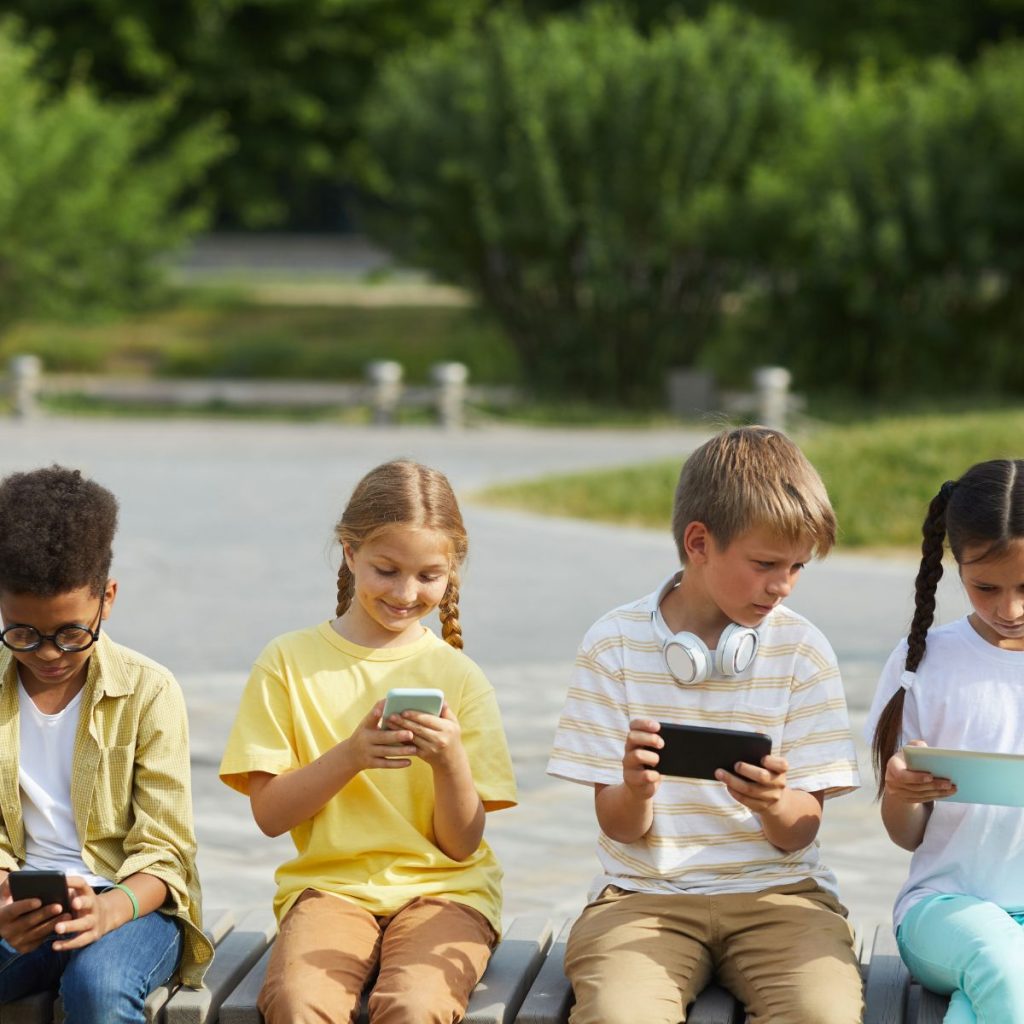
970 949
105 982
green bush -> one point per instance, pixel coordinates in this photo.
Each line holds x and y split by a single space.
86 205
892 235
585 181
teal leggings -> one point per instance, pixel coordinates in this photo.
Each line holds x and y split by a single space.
972 949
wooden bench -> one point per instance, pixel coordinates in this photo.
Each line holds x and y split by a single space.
891 996
495 999
239 945
550 998
524 982
236 975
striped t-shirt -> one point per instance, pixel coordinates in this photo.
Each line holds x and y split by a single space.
701 839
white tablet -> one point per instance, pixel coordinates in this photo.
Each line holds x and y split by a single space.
980 778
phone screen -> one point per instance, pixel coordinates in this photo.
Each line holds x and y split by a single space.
697 752
429 701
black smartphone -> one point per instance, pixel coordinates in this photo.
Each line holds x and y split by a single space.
49 886
697 751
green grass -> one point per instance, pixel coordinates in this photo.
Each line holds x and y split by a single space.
880 475
230 334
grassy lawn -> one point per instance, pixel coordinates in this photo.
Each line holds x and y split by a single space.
880 475
234 333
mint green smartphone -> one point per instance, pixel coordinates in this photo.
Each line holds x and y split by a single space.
400 699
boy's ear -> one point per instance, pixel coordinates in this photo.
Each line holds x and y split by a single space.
109 596
696 542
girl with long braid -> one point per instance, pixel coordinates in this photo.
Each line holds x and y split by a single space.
392 872
960 915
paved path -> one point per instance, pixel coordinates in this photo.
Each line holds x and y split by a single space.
225 541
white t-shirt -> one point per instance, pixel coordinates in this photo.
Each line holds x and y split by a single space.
45 750
702 840
966 695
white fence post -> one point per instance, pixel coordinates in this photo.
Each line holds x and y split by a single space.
450 379
385 377
771 384
26 373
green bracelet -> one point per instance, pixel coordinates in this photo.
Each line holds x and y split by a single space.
131 896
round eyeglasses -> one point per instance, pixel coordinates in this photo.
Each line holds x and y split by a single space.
72 638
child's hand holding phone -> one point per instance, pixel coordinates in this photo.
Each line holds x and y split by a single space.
373 746
30 907
758 787
640 760
423 713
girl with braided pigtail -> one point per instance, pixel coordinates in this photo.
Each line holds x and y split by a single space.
960 915
392 873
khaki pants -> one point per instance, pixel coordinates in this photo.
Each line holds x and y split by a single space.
430 954
786 953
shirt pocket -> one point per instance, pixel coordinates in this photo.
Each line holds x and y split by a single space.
763 715
112 810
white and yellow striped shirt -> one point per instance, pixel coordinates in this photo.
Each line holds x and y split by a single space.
703 841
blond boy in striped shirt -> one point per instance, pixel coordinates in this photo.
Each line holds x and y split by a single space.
716 878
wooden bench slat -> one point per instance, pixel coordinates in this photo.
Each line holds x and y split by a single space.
236 953
510 972
216 924
931 1007
240 1005
888 981
550 996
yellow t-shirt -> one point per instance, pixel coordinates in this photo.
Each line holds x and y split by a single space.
373 841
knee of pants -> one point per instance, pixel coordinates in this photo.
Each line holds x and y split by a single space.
618 1005
289 1003
426 1006
819 1005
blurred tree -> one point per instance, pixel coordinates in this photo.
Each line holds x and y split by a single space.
585 181
886 33
289 75
891 236
87 205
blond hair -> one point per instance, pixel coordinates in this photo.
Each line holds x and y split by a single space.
403 493
753 477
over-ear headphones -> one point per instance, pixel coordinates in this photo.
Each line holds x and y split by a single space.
688 657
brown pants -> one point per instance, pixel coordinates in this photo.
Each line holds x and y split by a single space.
431 954
786 953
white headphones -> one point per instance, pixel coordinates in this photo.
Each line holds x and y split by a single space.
688 657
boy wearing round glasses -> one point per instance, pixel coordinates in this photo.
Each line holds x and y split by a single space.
94 769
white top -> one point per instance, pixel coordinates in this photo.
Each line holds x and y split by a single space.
702 840
45 750
966 695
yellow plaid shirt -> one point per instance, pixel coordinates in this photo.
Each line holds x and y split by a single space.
130 788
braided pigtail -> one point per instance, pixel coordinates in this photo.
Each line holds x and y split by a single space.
890 722
346 587
448 613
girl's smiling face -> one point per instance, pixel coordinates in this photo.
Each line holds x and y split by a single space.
995 588
400 576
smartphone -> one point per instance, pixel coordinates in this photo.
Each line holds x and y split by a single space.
422 699
49 886
697 751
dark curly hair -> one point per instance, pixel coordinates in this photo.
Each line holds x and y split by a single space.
56 532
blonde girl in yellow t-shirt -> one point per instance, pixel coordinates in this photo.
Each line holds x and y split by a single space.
391 872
